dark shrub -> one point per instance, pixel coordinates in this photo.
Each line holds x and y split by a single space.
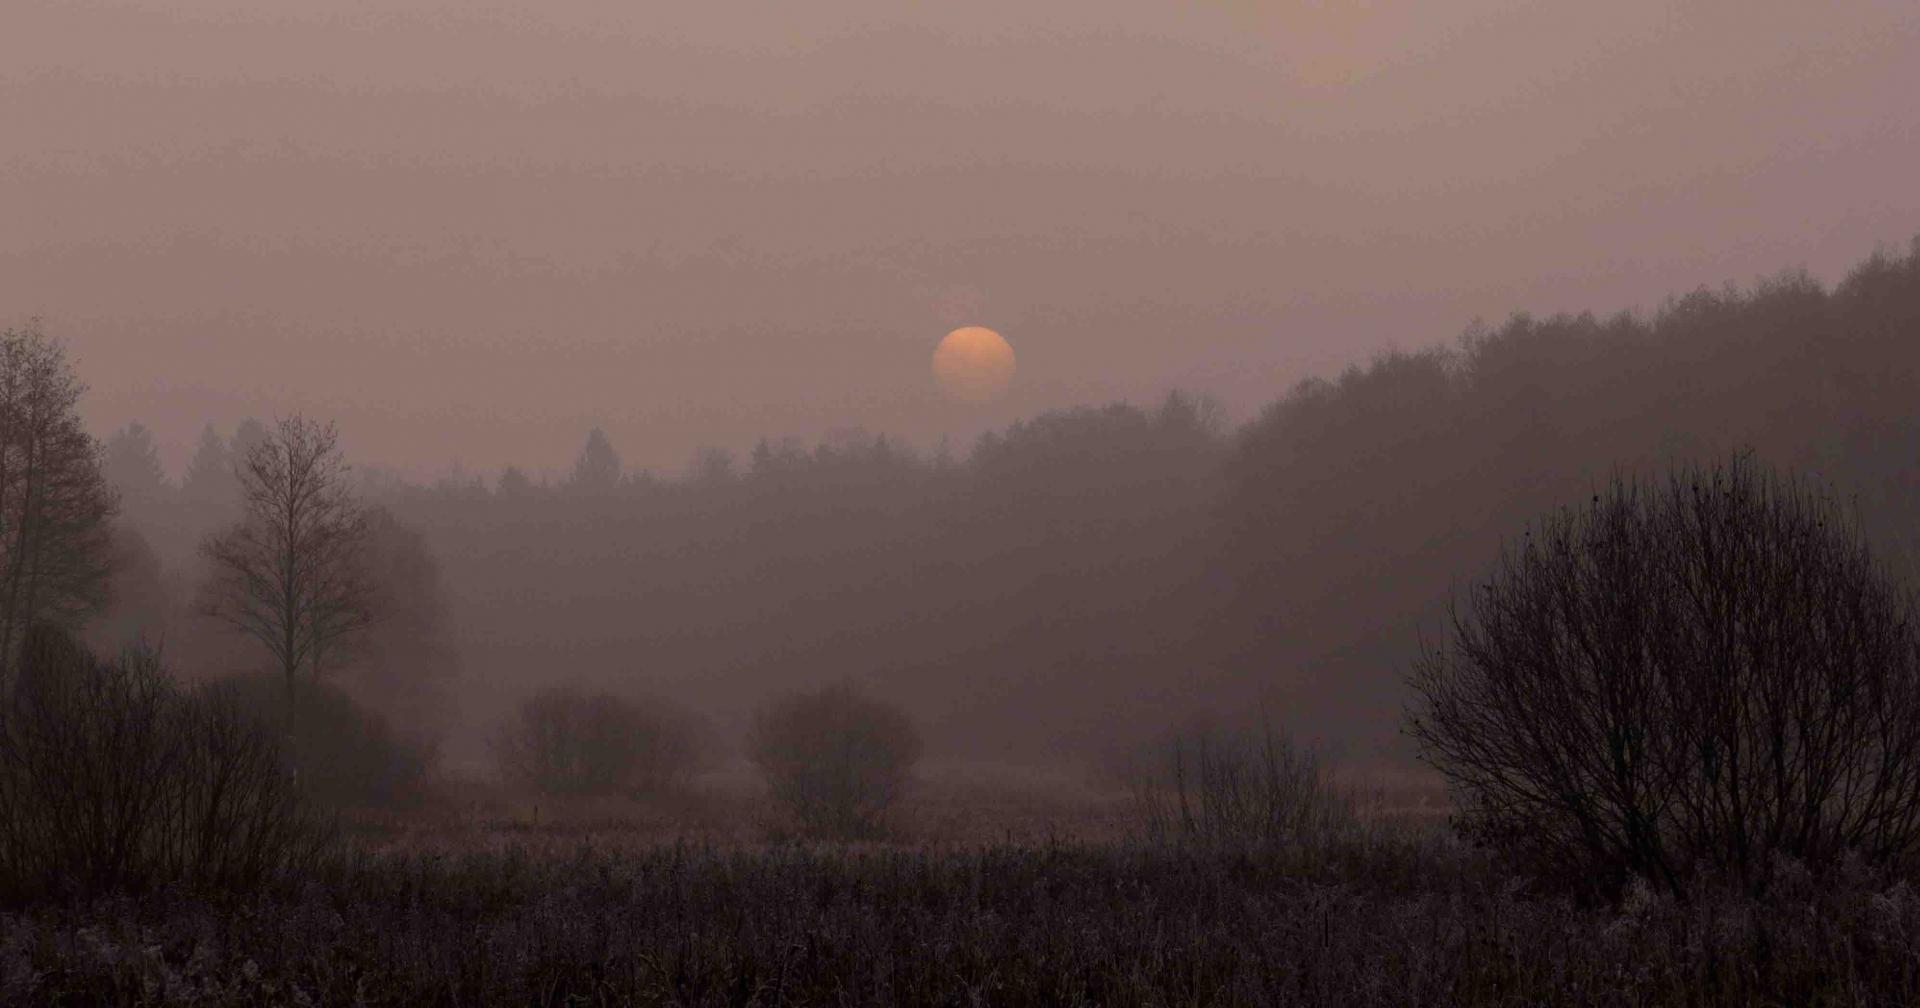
112 777
836 758
342 755
1707 672
1251 788
564 741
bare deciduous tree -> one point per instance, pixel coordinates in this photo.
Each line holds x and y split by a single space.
291 573
56 509
1710 671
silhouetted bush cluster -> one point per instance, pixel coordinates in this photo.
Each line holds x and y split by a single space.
1252 789
114 778
835 758
563 741
1706 674
341 754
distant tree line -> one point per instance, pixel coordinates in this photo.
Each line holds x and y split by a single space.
1094 570
1053 554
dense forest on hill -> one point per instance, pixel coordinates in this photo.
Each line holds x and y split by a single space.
1097 572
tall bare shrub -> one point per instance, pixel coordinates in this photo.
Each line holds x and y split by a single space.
1250 788
112 777
1706 671
564 741
836 758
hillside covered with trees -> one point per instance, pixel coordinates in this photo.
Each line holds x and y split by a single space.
1096 571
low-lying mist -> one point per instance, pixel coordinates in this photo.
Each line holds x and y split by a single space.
1087 576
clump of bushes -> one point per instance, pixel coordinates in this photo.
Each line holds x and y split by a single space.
113 777
562 741
1251 788
835 758
1698 678
341 754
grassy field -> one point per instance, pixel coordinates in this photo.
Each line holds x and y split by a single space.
963 804
1001 886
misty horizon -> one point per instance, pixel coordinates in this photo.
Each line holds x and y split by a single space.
1182 562
472 234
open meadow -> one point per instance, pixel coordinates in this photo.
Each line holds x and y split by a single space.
998 887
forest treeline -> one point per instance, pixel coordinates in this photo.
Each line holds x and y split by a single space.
1091 573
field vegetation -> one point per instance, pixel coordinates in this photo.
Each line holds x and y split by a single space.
601 904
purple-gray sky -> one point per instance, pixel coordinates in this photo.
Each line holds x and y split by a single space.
473 230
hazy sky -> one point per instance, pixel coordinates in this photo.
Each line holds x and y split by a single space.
472 230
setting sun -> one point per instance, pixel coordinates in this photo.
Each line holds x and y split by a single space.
973 364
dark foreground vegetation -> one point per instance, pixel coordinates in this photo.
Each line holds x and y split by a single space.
1400 921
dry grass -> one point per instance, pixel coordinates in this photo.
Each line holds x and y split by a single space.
1005 886
964 804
